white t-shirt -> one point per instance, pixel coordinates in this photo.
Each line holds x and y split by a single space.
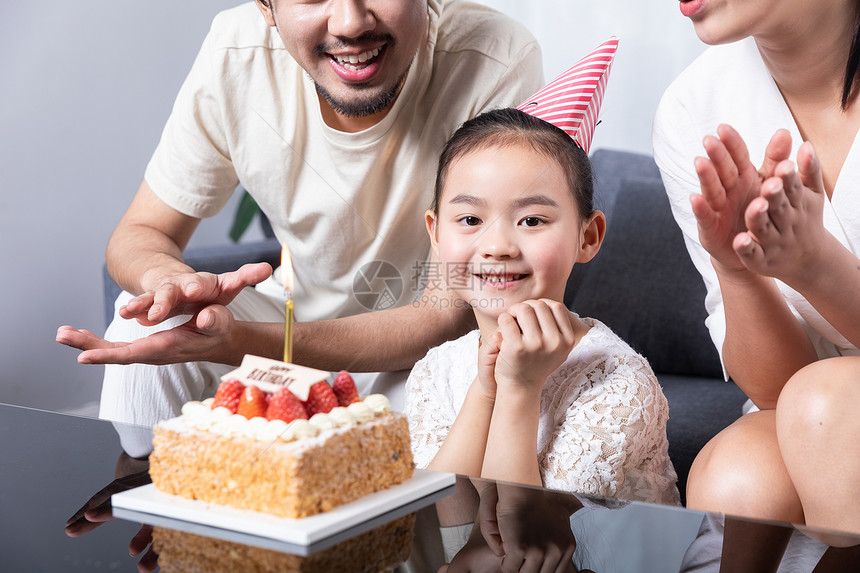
248 113
602 428
730 84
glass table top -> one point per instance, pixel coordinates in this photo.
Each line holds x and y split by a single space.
55 464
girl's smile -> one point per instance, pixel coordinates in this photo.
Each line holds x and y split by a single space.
501 279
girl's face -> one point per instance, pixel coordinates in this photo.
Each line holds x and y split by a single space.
508 229
724 21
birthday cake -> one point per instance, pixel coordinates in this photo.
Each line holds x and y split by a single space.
278 438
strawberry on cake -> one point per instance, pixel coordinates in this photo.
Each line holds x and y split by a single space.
278 438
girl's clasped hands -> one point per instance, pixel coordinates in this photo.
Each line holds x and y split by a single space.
534 337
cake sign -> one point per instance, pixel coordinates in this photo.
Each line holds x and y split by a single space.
270 375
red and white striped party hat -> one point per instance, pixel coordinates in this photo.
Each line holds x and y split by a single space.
572 100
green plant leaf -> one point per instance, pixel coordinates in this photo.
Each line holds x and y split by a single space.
245 213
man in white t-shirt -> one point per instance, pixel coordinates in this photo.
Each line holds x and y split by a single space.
331 114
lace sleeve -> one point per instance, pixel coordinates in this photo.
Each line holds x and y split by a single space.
610 438
429 417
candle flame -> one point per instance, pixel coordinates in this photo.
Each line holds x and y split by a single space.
287 269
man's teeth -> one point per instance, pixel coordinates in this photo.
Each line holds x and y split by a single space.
352 59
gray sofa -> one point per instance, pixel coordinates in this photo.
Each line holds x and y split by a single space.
641 284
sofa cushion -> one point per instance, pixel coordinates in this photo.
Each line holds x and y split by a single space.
643 285
612 168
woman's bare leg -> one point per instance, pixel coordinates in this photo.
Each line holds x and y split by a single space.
740 472
818 431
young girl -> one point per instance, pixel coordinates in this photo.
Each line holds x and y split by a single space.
536 395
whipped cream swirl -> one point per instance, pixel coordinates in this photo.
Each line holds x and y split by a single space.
201 416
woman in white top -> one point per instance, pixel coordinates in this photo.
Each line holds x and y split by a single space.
777 248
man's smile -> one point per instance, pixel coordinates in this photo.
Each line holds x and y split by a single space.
356 61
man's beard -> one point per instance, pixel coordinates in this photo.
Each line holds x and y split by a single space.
363 107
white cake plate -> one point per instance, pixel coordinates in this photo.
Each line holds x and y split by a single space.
303 536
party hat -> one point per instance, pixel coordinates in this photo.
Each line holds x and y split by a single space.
572 100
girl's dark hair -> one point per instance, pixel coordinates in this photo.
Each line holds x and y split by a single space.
853 59
505 127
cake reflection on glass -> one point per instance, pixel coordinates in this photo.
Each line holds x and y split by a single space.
379 549
278 438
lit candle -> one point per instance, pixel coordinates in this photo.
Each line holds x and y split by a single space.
287 270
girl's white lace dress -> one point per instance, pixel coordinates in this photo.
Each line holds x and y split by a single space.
602 429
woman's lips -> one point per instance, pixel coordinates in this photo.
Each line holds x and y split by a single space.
690 8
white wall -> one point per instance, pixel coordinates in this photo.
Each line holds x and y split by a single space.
655 44
85 88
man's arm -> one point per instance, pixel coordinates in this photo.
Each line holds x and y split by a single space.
147 243
144 256
380 341
386 340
